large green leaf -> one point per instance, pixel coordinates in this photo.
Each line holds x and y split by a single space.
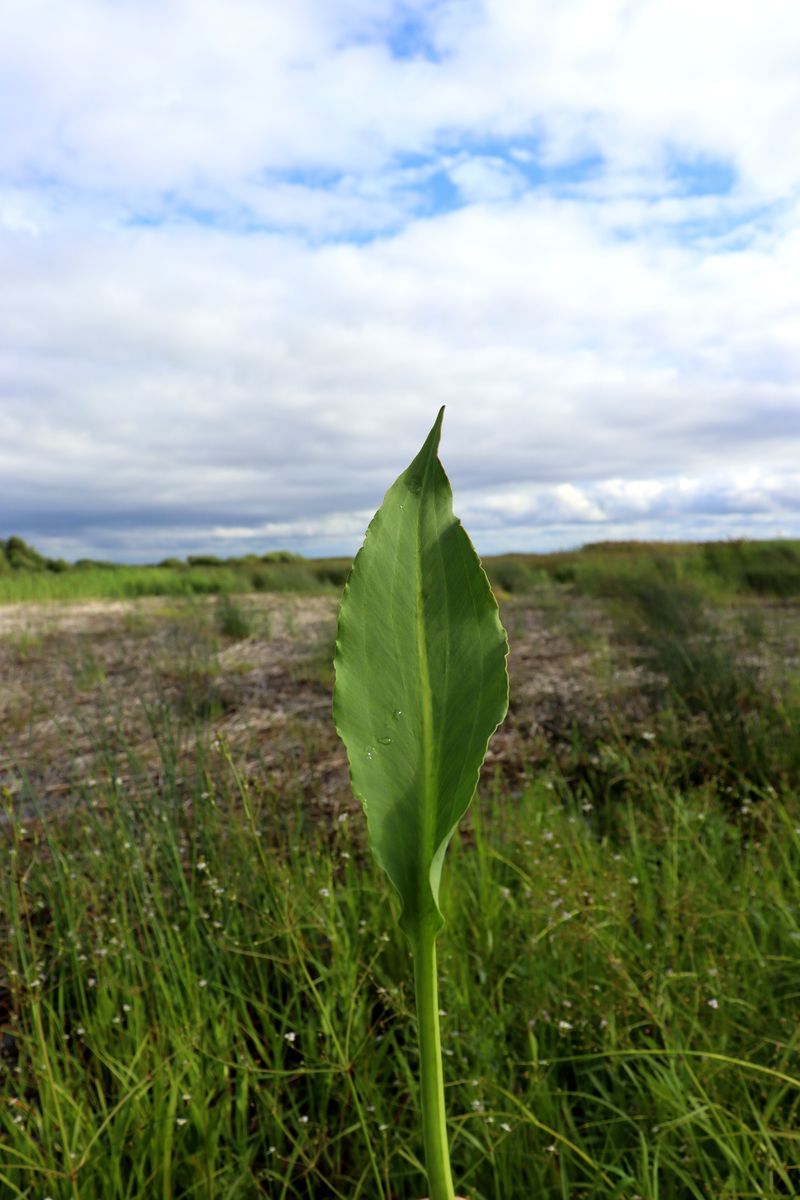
421 680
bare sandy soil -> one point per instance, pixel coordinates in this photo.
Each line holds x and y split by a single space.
130 686
90 682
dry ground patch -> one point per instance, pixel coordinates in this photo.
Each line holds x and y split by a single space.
88 684
81 679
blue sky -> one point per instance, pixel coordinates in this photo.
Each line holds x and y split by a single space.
247 250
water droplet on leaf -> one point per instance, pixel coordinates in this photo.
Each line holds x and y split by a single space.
385 741
370 751
397 714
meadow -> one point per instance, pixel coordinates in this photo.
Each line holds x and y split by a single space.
203 992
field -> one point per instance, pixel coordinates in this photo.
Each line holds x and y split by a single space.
202 990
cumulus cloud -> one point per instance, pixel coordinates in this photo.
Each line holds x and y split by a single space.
247 251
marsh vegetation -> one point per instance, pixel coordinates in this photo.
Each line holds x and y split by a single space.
203 992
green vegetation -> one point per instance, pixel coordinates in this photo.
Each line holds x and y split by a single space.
720 570
27 576
206 996
232 619
202 989
421 685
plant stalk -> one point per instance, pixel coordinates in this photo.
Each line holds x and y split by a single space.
434 1124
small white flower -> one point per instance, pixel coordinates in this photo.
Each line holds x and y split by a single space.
202 983
713 1003
505 1126
290 1037
181 1120
304 1120
324 892
564 1025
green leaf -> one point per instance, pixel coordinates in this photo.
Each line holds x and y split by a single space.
421 680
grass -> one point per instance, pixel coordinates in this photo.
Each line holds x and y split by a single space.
207 996
203 993
129 583
232 619
720 570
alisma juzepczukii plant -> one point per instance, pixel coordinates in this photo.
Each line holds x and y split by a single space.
421 685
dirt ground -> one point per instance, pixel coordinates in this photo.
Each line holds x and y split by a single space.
91 684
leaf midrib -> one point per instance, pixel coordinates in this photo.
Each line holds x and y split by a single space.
428 774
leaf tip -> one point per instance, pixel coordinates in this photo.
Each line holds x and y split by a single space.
415 473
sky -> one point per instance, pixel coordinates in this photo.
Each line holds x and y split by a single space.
248 248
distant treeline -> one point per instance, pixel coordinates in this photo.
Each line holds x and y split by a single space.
16 554
717 569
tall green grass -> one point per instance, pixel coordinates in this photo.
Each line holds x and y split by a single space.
205 995
124 583
720 570
203 992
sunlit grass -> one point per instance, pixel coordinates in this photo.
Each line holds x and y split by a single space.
207 996
717 570
127 583
203 992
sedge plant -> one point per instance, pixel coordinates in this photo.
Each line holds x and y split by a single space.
421 685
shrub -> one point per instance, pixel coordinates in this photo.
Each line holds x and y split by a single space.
281 556
232 620
204 560
21 556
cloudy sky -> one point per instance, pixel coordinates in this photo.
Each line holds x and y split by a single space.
248 248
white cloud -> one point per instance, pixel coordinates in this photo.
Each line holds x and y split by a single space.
201 332
178 94
484 179
186 372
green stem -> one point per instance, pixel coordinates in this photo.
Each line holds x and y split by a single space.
434 1125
